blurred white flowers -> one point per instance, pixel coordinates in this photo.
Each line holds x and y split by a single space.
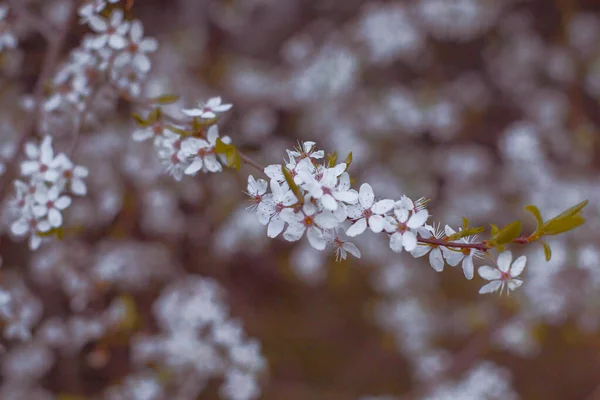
40 202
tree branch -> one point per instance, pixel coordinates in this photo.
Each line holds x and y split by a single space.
39 24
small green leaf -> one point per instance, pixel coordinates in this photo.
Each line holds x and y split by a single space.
165 99
465 222
348 160
561 225
466 232
507 234
332 159
495 230
547 252
141 121
576 209
230 152
178 131
536 213
290 181
58 232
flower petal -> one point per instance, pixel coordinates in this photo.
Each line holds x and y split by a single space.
409 240
383 206
316 239
420 250
504 260
55 217
376 223
357 228
366 195
352 249
518 266
514 283
489 273
468 267
275 227
436 260
417 220
490 287
396 242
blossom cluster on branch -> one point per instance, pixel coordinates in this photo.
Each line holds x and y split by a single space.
310 194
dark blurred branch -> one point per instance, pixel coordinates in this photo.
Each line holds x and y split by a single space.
34 21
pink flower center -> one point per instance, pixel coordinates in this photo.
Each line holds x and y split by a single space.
43 168
50 204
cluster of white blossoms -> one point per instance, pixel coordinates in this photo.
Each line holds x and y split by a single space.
313 196
117 55
200 341
48 183
187 155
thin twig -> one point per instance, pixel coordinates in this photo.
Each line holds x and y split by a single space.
481 246
251 162
49 63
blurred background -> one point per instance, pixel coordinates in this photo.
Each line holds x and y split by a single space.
484 106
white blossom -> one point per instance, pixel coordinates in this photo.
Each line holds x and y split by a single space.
208 110
201 153
137 48
110 31
504 275
403 228
309 219
269 211
368 212
50 204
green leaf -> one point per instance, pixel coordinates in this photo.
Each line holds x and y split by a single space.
348 160
495 230
332 159
290 181
465 222
576 209
565 224
507 234
58 232
230 152
165 99
178 131
466 232
547 252
536 213
141 121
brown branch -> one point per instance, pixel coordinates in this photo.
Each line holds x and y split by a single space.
459 245
481 246
49 63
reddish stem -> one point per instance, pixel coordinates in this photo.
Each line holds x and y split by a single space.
481 246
